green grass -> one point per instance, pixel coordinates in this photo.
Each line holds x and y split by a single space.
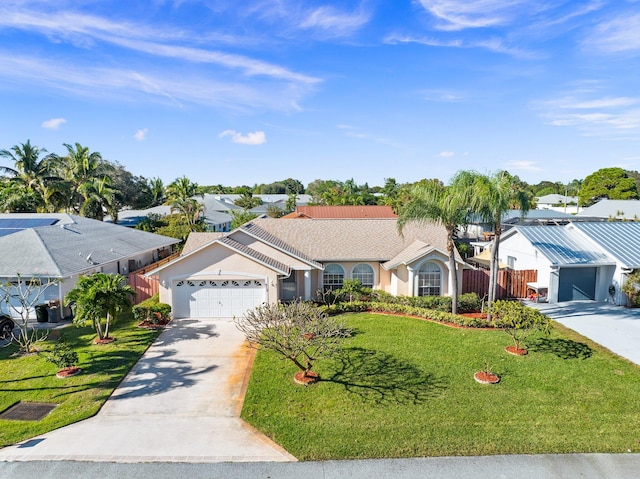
32 378
405 388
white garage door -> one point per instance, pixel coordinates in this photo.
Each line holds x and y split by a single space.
216 298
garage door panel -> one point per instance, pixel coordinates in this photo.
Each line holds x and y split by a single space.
577 284
217 298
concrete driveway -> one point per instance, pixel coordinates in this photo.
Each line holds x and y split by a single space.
181 402
614 327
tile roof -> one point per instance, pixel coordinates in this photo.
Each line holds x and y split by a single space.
73 245
362 211
620 239
349 239
563 245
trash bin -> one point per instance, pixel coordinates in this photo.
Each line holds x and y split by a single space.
53 314
42 315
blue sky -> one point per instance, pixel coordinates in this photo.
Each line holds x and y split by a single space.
229 92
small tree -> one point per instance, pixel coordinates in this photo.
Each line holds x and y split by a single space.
99 297
62 355
519 321
21 296
298 331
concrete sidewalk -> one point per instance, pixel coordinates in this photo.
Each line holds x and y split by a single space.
181 402
565 466
614 327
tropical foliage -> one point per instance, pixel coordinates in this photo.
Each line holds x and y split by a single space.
99 299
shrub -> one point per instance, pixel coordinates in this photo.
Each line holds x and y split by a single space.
151 310
518 320
62 355
468 303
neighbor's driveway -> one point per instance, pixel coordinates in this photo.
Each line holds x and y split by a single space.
614 327
180 402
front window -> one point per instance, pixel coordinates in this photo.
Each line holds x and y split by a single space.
363 273
333 277
429 280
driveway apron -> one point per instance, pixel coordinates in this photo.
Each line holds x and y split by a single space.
614 327
181 402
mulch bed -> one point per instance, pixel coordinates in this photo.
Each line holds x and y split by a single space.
103 340
516 351
151 325
68 372
305 379
484 377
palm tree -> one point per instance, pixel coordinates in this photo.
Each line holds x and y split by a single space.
433 202
490 197
99 197
99 297
78 167
33 178
180 196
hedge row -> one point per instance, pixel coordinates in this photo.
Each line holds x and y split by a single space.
397 308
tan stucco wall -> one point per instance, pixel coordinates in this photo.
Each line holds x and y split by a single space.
216 262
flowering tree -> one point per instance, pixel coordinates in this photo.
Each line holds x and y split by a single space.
298 331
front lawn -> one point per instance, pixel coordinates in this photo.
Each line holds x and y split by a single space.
32 378
405 388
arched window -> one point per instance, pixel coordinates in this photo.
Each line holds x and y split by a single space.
429 279
333 276
363 273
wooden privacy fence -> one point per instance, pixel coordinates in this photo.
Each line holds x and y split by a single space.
511 283
145 287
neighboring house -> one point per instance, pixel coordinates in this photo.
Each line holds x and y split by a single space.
364 211
267 260
613 209
561 203
63 247
582 260
479 229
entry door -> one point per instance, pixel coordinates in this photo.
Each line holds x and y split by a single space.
577 284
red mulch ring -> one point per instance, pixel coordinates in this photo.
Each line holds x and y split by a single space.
103 340
516 351
305 379
483 377
156 325
68 372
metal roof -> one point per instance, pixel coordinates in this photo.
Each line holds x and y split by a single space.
564 246
621 209
620 239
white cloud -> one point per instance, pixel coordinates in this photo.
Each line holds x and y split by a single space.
593 116
251 138
447 154
617 35
446 96
461 14
166 84
141 135
523 165
53 123
335 22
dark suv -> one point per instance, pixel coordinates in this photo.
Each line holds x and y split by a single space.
6 326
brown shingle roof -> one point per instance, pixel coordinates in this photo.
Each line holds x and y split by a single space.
362 211
260 257
197 240
351 239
